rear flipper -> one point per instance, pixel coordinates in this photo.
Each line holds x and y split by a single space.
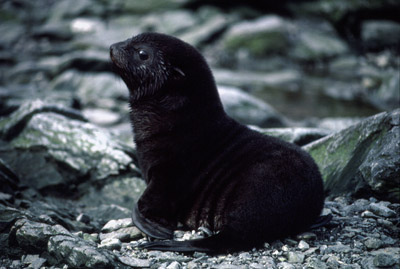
321 221
149 227
219 243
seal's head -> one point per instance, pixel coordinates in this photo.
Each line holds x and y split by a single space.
149 62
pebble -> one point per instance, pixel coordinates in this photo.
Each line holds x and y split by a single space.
303 245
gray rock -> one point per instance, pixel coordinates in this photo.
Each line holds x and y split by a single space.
337 124
101 117
123 234
373 243
303 245
64 9
10 33
297 135
380 33
114 225
313 46
53 31
286 80
387 96
263 36
336 10
381 210
338 248
211 23
77 252
368 263
257 266
295 257
307 236
110 243
124 192
98 89
148 6
167 256
384 260
174 265
83 218
9 215
81 148
248 109
33 261
170 22
94 237
285 265
105 213
134 262
30 235
362 158
315 263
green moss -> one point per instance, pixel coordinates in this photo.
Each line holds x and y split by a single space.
259 44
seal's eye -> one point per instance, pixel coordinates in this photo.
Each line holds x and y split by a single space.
143 55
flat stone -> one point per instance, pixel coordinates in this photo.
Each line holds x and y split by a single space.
113 225
110 243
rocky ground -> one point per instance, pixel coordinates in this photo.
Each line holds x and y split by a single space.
321 74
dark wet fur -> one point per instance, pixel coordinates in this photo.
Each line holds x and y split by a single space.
202 168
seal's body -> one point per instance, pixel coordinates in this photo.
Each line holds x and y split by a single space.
202 168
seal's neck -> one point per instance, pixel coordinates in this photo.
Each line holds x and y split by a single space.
164 115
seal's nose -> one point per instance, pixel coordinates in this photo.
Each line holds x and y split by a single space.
113 49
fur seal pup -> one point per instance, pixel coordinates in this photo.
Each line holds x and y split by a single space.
203 168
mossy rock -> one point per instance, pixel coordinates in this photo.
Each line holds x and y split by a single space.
363 159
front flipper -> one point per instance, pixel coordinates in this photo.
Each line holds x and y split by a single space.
149 227
219 243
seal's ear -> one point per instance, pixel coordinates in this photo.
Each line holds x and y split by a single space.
179 71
